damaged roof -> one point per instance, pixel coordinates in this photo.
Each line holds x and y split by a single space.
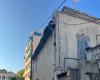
46 34
50 27
80 15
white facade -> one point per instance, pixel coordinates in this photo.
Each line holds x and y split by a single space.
4 75
65 47
11 75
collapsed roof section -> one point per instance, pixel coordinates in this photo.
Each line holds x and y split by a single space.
47 32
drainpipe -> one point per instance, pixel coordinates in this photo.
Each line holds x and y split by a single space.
54 45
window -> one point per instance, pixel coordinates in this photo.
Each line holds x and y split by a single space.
35 64
82 44
37 79
98 39
75 74
93 76
3 77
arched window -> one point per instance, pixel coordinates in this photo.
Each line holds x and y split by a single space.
3 77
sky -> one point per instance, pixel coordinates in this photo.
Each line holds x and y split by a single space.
19 17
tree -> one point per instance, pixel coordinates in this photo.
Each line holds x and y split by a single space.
12 78
19 75
4 70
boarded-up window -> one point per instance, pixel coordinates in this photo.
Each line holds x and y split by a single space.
82 44
75 74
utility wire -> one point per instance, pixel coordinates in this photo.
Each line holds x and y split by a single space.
41 26
61 4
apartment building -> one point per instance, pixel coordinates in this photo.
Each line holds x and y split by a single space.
61 52
32 44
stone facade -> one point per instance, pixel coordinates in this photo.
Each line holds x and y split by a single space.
62 55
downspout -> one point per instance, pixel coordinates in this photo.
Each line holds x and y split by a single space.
55 44
58 39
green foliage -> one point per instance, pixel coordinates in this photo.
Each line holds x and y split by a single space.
4 70
12 78
19 75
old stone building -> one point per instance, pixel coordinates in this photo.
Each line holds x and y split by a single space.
61 53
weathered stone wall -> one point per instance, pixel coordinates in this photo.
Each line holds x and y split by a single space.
67 28
44 63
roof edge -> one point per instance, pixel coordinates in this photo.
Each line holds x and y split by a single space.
81 15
